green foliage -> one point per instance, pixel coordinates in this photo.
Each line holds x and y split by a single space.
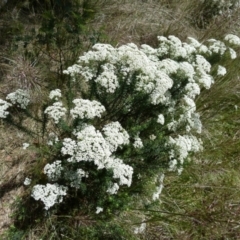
54 37
15 234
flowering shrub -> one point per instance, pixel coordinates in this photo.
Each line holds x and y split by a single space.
218 7
224 5
204 13
133 116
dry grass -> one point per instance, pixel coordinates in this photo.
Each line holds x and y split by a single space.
13 163
22 73
141 21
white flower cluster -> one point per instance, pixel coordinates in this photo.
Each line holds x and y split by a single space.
221 71
201 48
160 119
141 228
113 189
232 39
169 66
218 7
27 181
25 146
188 118
138 142
49 194
220 48
151 79
115 135
98 210
55 94
121 171
187 61
54 170
173 47
153 75
217 47
108 78
19 97
3 107
90 146
192 90
181 146
56 111
152 137
69 147
85 108
93 147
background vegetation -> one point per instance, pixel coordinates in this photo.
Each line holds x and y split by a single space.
41 38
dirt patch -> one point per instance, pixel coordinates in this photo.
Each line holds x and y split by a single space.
6 209
13 162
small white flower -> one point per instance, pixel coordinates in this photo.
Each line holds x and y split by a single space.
194 42
233 54
232 39
99 209
108 79
152 137
27 181
180 170
192 90
25 145
140 229
181 147
3 107
55 94
113 189
160 119
138 142
202 65
56 111
121 171
221 71
172 165
188 128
